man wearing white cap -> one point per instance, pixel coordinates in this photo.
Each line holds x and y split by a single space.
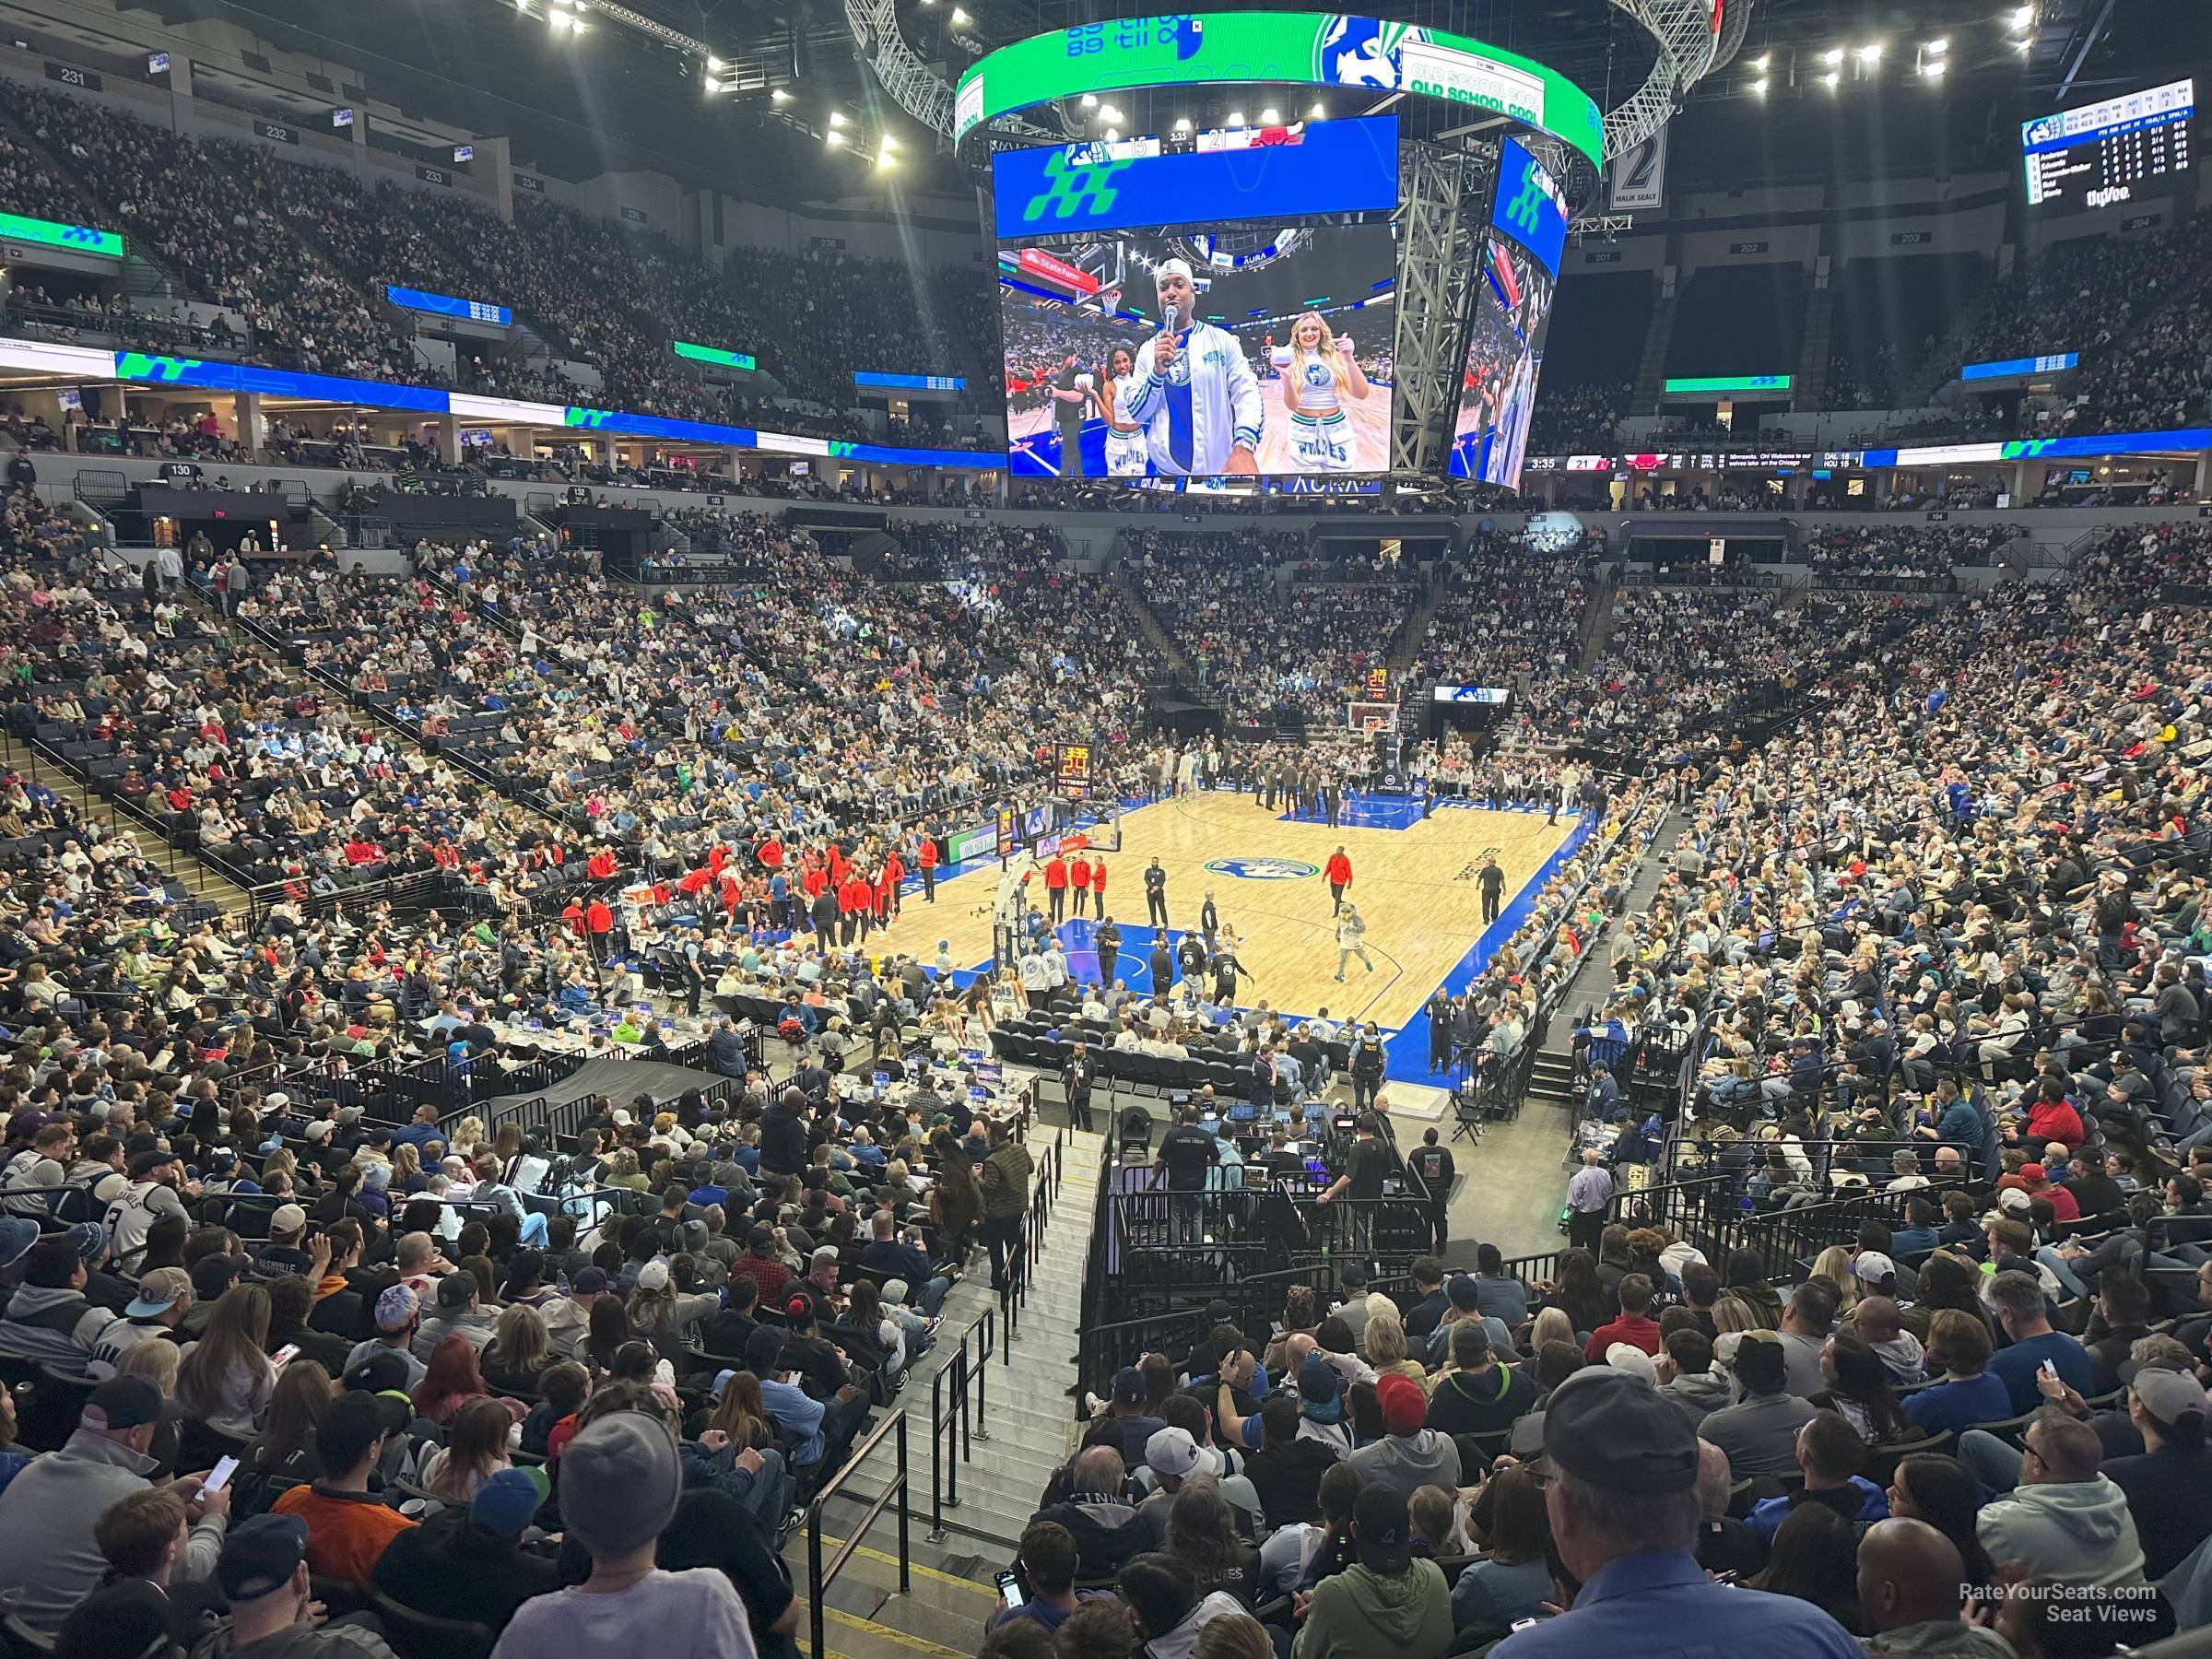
1197 400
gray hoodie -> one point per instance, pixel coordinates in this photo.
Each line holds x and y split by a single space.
1698 1393
2072 1532
1938 1639
295 1641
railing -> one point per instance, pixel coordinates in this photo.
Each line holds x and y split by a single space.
819 1578
952 1431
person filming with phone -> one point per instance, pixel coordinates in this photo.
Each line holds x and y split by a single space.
1199 400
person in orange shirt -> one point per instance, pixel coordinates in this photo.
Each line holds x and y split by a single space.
347 1526
1055 888
1079 878
1340 874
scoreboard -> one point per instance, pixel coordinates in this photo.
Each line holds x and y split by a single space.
2106 153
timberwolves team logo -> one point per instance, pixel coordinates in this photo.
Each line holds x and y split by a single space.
1078 184
1362 52
1264 870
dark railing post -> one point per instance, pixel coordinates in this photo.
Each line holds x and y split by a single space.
982 1375
814 1579
906 1549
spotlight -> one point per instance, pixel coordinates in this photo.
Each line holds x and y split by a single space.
2026 45
2024 17
1833 55
1113 134
959 18
834 137
836 117
1236 118
1762 61
1938 46
1090 100
713 65
1871 52
779 95
1759 85
1271 116
884 161
1933 71
1110 113
1318 112
1182 124
1832 79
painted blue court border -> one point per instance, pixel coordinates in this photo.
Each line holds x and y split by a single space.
1409 1045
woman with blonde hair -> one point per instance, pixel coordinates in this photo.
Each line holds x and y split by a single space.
1834 1265
518 1351
224 1379
1385 1339
475 1450
1319 373
1551 1326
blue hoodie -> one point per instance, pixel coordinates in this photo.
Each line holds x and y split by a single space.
1766 1518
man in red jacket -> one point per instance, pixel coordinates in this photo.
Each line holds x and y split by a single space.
1078 878
887 889
925 860
1339 874
1097 886
1055 888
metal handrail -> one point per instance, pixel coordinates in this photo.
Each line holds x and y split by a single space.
951 1427
819 1579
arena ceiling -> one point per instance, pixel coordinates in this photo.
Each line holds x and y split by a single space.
619 98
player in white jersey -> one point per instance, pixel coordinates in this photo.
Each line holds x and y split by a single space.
1319 372
1127 451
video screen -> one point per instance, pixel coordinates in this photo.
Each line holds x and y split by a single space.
1172 314
1196 355
1512 309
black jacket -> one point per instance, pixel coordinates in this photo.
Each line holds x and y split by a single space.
782 1140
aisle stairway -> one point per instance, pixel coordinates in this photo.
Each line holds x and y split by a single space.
1022 1425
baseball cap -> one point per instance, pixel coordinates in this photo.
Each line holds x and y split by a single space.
509 1502
18 1234
159 1292
455 1289
2168 1395
1174 1452
260 1556
653 1276
373 1373
1129 1387
145 1163
396 1306
1405 1407
318 1131
1619 1433
589 1281
2032 1172
90 1238
287 1219
1873 1267
823 1253
2013 1198
277 1098
126 1401
1318 1382
1632 1360
1380 1527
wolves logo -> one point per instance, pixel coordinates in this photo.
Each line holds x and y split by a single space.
1362 52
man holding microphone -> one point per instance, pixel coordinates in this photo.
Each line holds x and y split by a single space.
1197 400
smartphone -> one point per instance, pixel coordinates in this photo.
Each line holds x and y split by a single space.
219 1477
1009 1586
285 1355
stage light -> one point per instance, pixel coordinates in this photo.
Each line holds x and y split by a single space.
1317 113
1113 134
1090 100
713 65
1762 61
1112 114
1182 124
1933 71
779 95
1834 54
1938 46
1832 79
1871 52
2024 17
1271 116
834 137
959 18
836 117
2024 44
1759 85
1236 118
884 161
889 142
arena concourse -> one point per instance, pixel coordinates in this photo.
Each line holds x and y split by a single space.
660 996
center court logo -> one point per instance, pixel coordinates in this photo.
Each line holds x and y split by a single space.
1264 870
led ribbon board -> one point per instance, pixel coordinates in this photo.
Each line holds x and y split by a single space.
712 354
2056 362
1314 48
74 239
874 379
446 305
1730 382
1324 167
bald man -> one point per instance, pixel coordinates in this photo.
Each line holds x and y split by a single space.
1912 1586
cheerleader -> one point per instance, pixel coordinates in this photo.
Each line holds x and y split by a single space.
1318 374
1127 451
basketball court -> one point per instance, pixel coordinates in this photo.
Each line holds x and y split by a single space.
1413 879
